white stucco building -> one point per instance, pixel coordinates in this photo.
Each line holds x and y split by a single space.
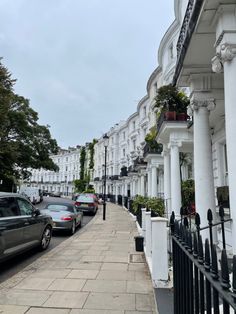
127 148
68 161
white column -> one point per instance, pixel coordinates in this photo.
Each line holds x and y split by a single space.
175 177
148 242
167 187
149 182
154 181
226 57
159 252
143 222
203 168
142 192
139 185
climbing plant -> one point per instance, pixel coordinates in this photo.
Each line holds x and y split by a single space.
91 153
82 162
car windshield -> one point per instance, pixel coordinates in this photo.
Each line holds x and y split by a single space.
60 207
85 198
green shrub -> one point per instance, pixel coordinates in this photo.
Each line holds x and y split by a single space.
156 204
188 192
137 201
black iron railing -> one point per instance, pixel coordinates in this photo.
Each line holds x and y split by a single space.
199 285
112 198
152 150
125 201
119 200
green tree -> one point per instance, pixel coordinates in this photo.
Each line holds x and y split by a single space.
23 142
80 185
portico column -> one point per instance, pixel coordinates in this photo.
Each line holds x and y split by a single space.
203 169
139 185
175 177
226 61
154 181
167 187
149 182
142 185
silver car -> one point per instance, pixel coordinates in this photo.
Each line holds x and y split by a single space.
65 216
22 226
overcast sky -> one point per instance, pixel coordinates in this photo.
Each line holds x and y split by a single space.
83 64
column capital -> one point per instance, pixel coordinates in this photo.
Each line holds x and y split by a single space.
209 104
226 53
174 143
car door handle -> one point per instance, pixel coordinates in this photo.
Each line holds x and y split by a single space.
26 223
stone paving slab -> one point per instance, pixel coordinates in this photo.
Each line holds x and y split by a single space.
110 301
96 271
67 285
105 286
66 299
13 309
35 310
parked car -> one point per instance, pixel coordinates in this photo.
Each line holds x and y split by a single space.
88 203
65 216
22 226
55 194
33 193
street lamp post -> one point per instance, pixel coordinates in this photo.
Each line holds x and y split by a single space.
106 140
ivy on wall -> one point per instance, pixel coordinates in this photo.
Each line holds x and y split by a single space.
91 153
82 162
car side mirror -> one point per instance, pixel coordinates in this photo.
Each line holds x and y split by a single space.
36 212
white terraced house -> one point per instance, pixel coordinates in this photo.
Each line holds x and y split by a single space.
68 161
132 167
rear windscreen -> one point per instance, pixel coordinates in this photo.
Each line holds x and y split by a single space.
85 199
60 207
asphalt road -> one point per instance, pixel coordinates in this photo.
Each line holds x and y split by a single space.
16 264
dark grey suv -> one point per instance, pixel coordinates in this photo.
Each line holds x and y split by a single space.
22 226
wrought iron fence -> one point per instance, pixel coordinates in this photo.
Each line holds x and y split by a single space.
125 202
119 200
201 284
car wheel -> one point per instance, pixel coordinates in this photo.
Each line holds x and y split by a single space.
72 230
46 238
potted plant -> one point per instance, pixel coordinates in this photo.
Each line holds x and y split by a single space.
150 139
172 102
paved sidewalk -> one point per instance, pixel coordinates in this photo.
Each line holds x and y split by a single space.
97 271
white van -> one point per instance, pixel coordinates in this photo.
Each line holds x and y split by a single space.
32 193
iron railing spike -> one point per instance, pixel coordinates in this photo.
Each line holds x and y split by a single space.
209 215
197 220
225 283
195 245
207 255
186 222
200 250
181 211
221 212
214 268
190 241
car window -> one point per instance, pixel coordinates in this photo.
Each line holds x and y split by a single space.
25 207
60 207
85 198
8 207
